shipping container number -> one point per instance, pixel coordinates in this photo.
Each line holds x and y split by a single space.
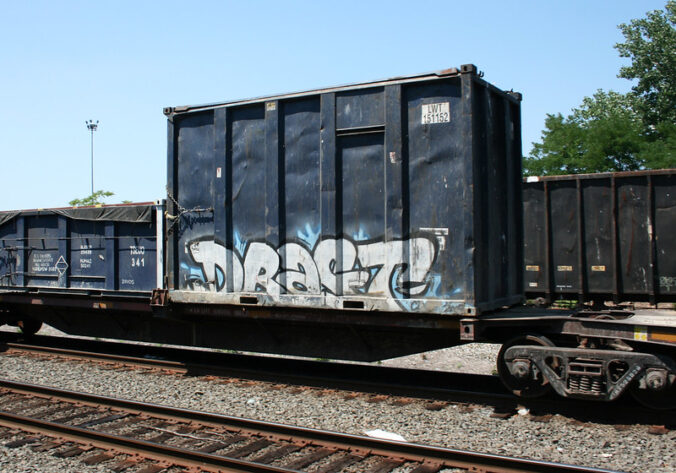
436 113
138 262
440 117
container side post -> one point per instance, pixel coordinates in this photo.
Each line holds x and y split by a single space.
617 272
159 245
22 243
653 283
511 201
172 212
220 191
515 198
396 200
582 280
327 175
229 233
274 181
468 150
485 209
112 260
549 254
517 212
63 252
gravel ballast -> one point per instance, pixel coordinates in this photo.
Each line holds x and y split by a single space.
559 440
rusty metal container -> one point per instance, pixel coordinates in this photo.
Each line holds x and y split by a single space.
601 236
400 195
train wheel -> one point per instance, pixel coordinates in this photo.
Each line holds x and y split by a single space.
29 326
662 399
532 382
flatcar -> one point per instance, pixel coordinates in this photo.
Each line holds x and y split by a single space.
359 222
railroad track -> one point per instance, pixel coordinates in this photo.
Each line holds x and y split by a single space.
367 380
322 374
126 433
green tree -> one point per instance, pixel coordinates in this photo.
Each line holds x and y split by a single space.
95 199
604 134
620 132
650 43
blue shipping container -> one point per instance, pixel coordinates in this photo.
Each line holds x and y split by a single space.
107 248
400 195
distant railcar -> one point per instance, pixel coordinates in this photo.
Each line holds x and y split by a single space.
601 236
109 253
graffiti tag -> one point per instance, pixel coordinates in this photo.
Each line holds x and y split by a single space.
338 266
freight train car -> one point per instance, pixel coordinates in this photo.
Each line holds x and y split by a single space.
361 222
373 215
103 257
377 220
601 237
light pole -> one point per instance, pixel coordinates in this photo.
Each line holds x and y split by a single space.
92 126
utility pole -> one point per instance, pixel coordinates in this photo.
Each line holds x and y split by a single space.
92 126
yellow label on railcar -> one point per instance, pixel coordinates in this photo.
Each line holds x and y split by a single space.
641 334
564 268
532 267
601 268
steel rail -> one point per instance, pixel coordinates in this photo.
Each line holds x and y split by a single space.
408 451
367 379
110 357
155 451
462 387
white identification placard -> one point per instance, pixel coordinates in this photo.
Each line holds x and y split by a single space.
436 113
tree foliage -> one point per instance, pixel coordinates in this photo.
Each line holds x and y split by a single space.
95 199
604 134
651 46
620 132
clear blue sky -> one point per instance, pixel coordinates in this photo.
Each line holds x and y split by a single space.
121 62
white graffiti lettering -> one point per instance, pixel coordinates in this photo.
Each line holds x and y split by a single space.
351 278
261 264
299 274
398 268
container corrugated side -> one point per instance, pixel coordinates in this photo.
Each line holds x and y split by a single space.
597 236
399 195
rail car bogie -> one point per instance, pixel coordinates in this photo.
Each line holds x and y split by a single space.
594 374
584 354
